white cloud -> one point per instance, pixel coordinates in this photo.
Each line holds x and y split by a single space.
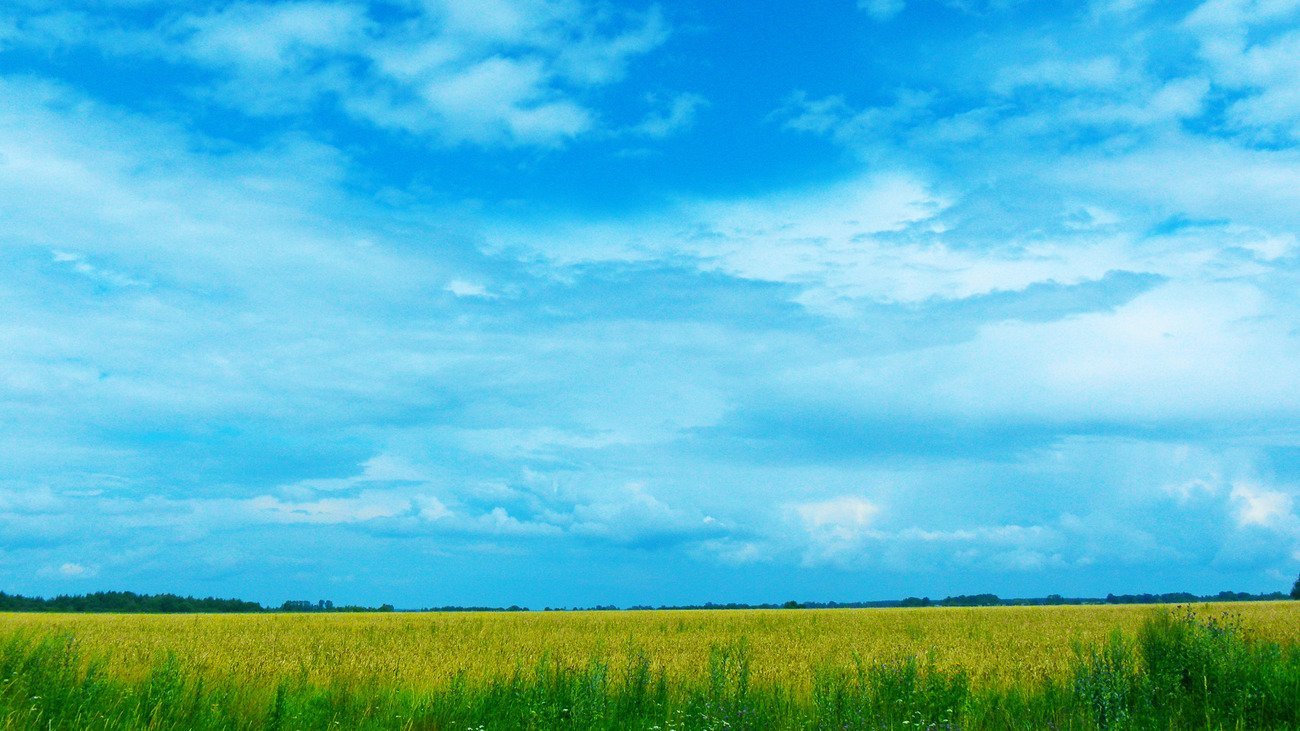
1265 508
1253 49
1229 14
78 264
853 209
1200 178
390 467
273 39
391 495
368 506
888 238
498 21
1103 8
474 100
381 470
862 130
68 570
1178 352
506 72
600 58
896 238
1190 489
1073 75
462 288
821 116
732 552
498 521
836 238
431 508
32 501
842 517
855 537
838 529
509 72
633 516
677 115
882 9
401 511
513 72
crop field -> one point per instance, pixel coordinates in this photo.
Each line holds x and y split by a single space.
994 645
692 668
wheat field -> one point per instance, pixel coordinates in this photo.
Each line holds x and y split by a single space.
995 646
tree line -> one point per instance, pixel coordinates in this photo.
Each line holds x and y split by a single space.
125 602
129 602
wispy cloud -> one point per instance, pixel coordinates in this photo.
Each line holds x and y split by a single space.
882 9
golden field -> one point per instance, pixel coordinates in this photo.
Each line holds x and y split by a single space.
997 646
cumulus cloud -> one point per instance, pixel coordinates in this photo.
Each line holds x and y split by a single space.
635 517
272 39
512 73
837 529
1251 50
1265 508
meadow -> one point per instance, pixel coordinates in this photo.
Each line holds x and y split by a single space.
1214 666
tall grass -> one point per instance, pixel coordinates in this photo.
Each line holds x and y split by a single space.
1179 670
1191 672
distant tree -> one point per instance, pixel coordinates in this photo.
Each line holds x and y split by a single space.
974 600
123 601
1295 589
792 604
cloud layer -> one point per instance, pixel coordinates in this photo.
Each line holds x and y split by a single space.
419 302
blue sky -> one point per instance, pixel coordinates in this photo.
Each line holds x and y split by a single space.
577 302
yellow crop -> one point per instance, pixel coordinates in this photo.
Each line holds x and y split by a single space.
997 646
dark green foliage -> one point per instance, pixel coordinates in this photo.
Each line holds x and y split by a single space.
898 694
1206 670
1188 671
974 600
1180 671
1107 683
127 602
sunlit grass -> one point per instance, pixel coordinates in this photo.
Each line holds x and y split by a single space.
1071 666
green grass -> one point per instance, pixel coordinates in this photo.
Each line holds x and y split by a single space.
1179 671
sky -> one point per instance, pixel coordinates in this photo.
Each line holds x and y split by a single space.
577 302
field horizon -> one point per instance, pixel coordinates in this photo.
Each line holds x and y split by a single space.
167 603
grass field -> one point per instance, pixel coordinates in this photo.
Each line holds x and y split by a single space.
1071 666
